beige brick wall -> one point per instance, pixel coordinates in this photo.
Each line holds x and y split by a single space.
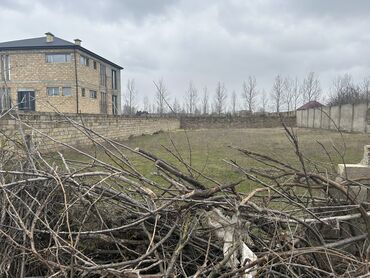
59 128
30 71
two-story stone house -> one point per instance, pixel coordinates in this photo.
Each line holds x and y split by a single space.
49 74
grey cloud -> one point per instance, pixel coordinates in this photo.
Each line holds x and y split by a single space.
207 41
338 9
15 5
111 10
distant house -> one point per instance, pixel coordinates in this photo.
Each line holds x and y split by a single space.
48 73
311 104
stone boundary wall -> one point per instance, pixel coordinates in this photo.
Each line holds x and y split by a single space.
60 128
39 127
347 117
253 121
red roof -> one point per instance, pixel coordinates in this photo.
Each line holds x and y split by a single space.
310 104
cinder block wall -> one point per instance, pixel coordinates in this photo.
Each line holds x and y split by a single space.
255 121
347 117
40 126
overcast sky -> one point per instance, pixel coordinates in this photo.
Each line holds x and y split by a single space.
206 41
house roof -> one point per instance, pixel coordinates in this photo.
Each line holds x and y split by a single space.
35 42
57 43
310 104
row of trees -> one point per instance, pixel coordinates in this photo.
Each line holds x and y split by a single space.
286 94
345 90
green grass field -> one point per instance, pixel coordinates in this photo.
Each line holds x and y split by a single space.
205 150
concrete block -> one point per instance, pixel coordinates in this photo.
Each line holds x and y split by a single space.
354 171
346 117
317 118
325 118
359 117
358 171
311 118
335 117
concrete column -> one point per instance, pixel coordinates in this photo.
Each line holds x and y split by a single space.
313 119
358 171
358 192
352 116
302 118
308 116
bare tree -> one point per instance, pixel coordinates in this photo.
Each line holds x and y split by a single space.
288 93
233 102
176 107
146 104
365 88
161 97
296 93
183 108
264 101
129 106
250 93
344 90
205 101
191 98
310 88
277 94
153 108
220 98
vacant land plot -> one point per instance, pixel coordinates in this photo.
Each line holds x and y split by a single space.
206 150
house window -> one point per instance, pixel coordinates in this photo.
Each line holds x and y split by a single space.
95 66
114 79
84 61
26 100
4 67
103 76
58 58
83 92
67 91
53 91
93 94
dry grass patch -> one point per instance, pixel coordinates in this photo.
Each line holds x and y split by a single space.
205 150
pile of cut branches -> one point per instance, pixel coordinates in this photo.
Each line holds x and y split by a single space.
104 218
